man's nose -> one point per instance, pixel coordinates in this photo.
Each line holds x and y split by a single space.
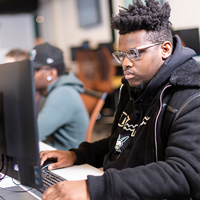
127 62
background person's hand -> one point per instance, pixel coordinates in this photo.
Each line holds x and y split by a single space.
67 190
64 158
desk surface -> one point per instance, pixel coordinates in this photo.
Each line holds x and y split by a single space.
76 172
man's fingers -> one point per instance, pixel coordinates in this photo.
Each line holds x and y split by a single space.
63 158
44 155
55 166
49 193
55 191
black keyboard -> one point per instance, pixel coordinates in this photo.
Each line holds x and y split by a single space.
49 178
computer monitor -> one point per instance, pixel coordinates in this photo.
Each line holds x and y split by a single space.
190 38
74 50
19 141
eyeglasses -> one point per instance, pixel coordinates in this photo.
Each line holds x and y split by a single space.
132 54
42 68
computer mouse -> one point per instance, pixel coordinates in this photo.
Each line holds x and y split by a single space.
47 163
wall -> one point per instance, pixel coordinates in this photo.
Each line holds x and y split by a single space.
16 31
185 13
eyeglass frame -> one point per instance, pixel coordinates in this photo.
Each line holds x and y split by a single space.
136 49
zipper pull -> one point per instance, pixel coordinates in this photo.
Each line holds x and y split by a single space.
118 156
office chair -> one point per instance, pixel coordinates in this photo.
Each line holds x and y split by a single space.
99 98
96 69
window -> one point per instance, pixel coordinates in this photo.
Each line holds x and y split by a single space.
89 12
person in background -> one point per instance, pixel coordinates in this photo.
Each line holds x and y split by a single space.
16 55
63 119
153 151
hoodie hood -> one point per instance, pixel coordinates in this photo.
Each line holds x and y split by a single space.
187 75
178 57
67 79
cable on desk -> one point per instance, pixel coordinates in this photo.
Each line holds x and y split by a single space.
16 190
7 162
6 158
2 161
15 183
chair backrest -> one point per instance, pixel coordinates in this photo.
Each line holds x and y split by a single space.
99 98
96 69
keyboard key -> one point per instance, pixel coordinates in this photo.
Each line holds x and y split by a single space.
49 178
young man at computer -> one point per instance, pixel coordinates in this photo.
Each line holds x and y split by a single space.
63 119
153 151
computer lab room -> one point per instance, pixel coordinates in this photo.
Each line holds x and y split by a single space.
63 83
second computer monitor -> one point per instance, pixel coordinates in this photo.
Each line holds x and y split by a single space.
18 123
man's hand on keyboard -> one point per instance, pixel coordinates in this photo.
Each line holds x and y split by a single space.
68 190
64 158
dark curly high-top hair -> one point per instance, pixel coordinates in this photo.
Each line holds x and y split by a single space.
150 17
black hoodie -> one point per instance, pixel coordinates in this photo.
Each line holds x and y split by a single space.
148 155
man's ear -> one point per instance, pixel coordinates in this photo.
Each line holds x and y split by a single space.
166 50
54 72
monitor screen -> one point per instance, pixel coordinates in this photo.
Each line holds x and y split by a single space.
190 38
74 51
19 143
